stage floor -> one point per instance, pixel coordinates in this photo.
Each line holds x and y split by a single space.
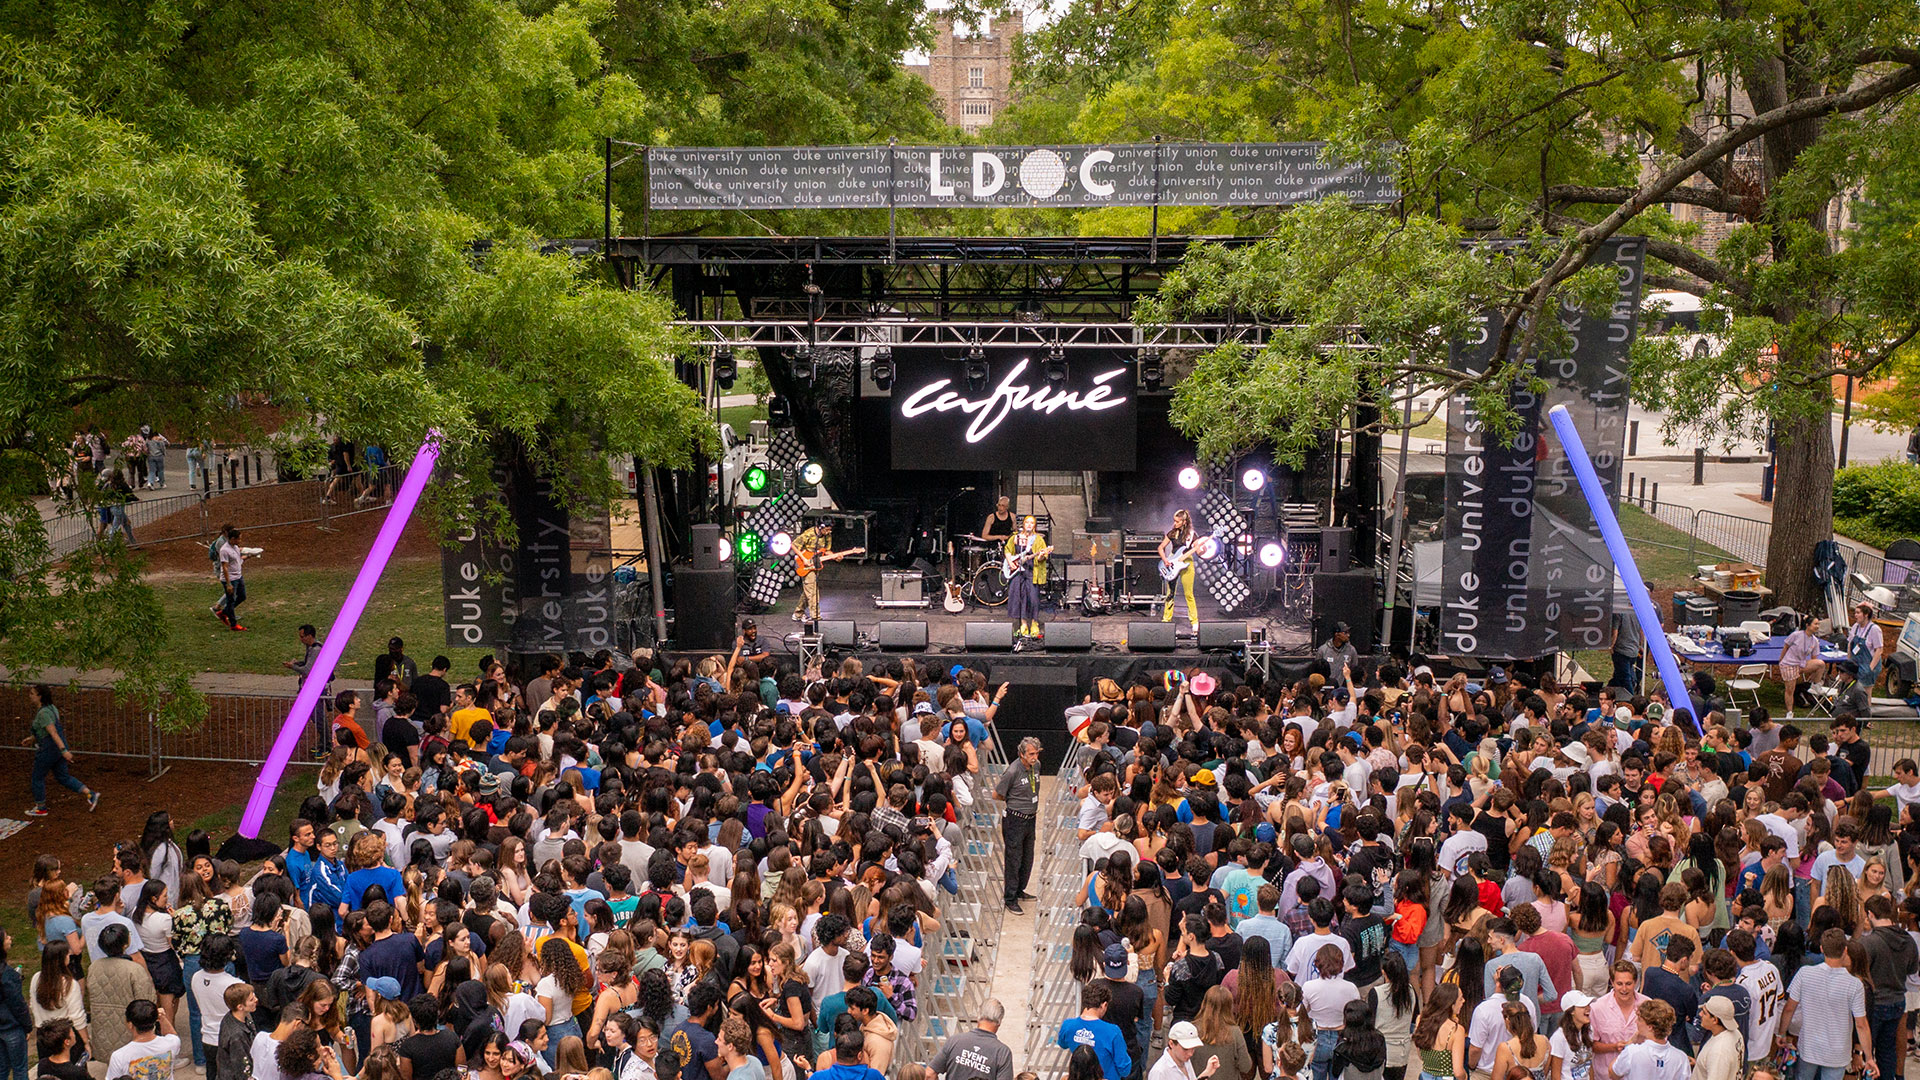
850 591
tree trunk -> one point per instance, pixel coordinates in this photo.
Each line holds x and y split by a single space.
1802 506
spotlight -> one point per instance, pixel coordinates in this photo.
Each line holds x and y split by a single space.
724 368
1253 479
803 366
779 411
1272 554
756 478
883 367
781 545
726 550
749 547
976 369
1153 370
1207 548
1056 366
1190 477
812 472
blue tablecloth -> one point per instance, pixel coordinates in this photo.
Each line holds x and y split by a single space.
1768 654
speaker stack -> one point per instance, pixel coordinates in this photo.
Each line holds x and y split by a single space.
703 607
1345 597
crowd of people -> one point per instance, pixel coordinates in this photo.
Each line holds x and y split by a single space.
717 869
1392 873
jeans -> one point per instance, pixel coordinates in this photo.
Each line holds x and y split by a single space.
556 1031
1626 671
1802 900
157 470
1883 1025
190 966
236 594
1409 953
13 1054
1807 1070
196 467
1323 1044
117 519
45 763
1019 835
1149 984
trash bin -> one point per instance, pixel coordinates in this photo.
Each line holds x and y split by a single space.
1680 601
1738 606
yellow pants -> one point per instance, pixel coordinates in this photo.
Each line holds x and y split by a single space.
1186 586
810 595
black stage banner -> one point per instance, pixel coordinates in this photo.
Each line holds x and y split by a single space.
1525 571
1123 174
551 593
1016 418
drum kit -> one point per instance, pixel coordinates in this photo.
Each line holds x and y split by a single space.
977 573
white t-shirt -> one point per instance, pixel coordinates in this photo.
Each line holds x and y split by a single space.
1831 999
264 1047
1102 844
149 1060
1487 1028
232 560
1326 1001
1762 981
560 1003
95 921
1300 958
520 1008
1783 829
1355 777
1652 1061
1907 794
209 990
1572 1066
824 973
1453 853
156 931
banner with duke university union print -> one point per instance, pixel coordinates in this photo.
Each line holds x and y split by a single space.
1526 572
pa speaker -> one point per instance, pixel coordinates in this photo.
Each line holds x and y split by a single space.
706 547
1151 637
911 636
989 636
837 634
1218 636
1344 598
703 607
1336 550
1069 636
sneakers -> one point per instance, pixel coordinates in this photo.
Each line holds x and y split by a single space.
36 811
1024 895
798 617
235 626
1014 908
93 801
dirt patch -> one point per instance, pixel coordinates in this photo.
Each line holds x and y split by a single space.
306 545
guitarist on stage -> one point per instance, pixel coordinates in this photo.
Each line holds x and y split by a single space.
810 545
1176 544
1026 553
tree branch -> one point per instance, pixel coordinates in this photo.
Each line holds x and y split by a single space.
1693 196
1693 262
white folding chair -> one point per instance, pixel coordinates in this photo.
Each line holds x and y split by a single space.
1746 680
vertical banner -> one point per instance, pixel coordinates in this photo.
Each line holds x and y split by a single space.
552 592
1526 572
477 585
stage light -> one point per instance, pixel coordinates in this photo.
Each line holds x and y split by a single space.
724 368
1153 370
779 411
1207 548
726 550
803 367
977 371
1272 554
756 478
748 548
883 367
812 472
1253 479
1190 478
1056 366
781 545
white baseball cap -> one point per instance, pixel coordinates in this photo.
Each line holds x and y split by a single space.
1574 999
1185 1035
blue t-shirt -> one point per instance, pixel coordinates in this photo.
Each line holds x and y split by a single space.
384 876
1107 1042
398 957
696 1046
838 1071
263 950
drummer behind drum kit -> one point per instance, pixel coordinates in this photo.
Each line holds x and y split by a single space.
979 575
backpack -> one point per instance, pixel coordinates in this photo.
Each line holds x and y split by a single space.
213 550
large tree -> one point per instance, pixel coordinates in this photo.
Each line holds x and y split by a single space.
333 208
1564 123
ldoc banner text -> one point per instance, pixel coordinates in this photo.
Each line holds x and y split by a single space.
1525 571
1121 174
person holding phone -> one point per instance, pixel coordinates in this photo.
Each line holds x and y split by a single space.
1177 1063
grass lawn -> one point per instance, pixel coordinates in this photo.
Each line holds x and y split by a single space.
742 415
407 604
1662 551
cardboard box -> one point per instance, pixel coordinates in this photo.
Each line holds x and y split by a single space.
1742 575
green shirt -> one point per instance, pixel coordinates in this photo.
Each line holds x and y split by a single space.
44 723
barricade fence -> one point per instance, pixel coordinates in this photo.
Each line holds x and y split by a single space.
259 504
1052 994
98 722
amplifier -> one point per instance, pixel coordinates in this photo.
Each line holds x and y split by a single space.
902 587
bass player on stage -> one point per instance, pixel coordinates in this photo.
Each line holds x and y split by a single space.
1026 553
808 546
1178 545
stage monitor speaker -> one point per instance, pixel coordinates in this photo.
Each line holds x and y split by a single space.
1336 550
706 547
1221 636
989 637
911 636
703 607
837 634
1344 598
1075 636
1151 637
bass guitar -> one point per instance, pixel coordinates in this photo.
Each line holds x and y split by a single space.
806 562
954 602
1180 561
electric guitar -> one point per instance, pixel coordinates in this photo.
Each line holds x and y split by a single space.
1094 600
1177 563
954 602
806 562
1019 560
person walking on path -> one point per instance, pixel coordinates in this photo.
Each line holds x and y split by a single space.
52 755
233 583
1019 788
978 1054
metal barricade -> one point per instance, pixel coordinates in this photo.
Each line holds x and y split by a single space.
1052 994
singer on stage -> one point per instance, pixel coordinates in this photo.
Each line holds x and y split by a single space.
1026 553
